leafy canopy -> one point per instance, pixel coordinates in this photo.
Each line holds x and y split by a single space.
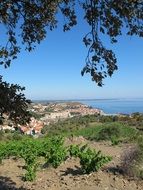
33 18
13 103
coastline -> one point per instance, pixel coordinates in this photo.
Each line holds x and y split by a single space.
114 106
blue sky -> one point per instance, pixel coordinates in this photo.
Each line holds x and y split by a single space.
52 70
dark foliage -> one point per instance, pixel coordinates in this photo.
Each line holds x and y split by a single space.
31 19
13 103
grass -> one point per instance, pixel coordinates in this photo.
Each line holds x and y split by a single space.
108 132
89 132
92 128
86 126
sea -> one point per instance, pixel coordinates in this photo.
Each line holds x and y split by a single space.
111 106
116 106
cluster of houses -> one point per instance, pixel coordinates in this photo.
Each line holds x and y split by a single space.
32 128
51 112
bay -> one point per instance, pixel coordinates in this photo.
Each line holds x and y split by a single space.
116 106
108 106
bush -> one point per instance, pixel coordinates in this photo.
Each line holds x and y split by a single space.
108 133
57 153
115 140
54 151
90 160
17 136
74 150
132 161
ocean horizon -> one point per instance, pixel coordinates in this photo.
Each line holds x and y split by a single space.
109 105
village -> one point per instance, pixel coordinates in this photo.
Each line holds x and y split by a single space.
42 114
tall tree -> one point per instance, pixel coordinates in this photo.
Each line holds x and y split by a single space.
13 103
33 18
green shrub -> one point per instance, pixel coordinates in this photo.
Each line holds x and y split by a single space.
74 150
17 136
57 153
29 151
30 166
54 151
109 132
2 152
114 140
90 160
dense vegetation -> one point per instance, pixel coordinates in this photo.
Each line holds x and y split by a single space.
90 125
54 153
116 130
13 103
90 160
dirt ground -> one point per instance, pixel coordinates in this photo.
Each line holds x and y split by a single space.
69 176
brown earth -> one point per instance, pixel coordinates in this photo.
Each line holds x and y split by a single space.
69 176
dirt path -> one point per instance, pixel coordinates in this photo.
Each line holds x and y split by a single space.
68 176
